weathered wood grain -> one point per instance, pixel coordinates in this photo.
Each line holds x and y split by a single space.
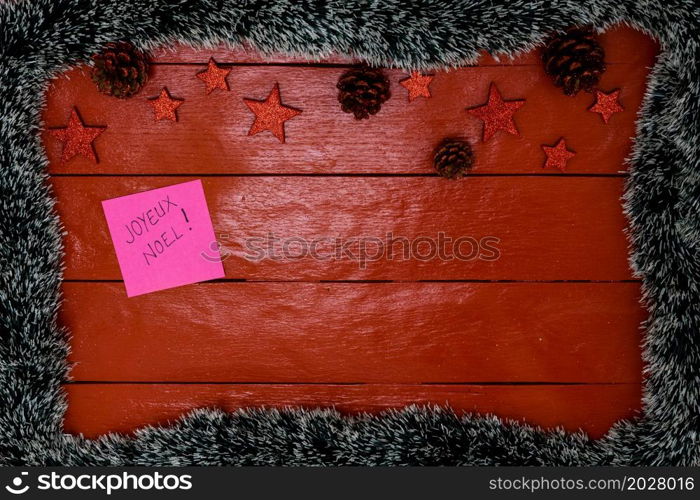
94 409
350 333
547 228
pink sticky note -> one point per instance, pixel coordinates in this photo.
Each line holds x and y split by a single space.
163 238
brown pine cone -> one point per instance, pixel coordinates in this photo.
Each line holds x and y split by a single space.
120 70
575 60
362 91
453 158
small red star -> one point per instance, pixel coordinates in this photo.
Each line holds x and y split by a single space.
497 114
606 104
214 77
557 155
164 106
270 114
418 85
77 138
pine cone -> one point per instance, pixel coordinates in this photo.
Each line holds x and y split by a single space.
120 70
362 91
575 60
453 158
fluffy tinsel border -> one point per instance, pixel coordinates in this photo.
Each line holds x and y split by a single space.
39 38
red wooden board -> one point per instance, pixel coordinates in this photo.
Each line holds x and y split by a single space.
550 336
351 333
547 228
211 135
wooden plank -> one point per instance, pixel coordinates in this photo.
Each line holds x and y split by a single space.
350 333
95 409
211 134
548 228
621 43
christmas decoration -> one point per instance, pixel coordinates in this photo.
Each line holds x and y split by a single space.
497 114
270 114
557 155
214 77
120 70
362 91
606 104
77 138
662 233
575 60
164 106
418 85
453 158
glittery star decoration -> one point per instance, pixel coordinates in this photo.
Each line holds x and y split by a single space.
214 77
557 155
497 114
418 85
77 138
164 106
270 114
606 104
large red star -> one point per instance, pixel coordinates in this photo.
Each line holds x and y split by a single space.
557 155
77 138
164 106
418 85
270 114
606 104
214 77
497 114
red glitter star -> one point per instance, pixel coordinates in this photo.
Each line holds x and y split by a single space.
214 77
557 155
164 106
77 138
270 114
606 104
497 114
418 85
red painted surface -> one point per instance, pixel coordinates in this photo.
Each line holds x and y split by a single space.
548 228
289 339
357 332
211 134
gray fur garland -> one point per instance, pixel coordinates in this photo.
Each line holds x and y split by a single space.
39 38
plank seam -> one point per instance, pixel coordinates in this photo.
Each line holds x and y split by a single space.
502 281
348 65
360 175
342 384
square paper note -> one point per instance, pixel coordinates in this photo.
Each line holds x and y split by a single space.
163 238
